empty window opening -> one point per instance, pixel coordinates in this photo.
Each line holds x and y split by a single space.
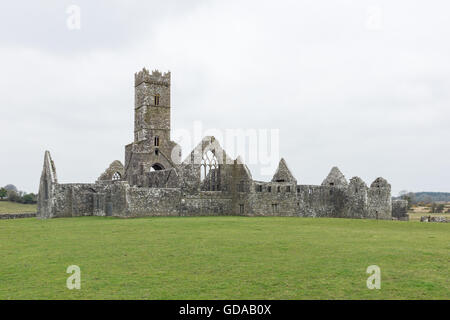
116 176
298 190
241 209
156 141
259 188
157 152
157 98
156 167
331 183
278 189
269 189
288 189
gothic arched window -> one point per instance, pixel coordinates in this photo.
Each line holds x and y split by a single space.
209 172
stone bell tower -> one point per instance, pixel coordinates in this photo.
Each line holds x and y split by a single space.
152 148
152 108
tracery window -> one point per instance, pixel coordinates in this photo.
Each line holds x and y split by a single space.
209 172
116 176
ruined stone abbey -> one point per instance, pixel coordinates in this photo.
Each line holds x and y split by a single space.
155 181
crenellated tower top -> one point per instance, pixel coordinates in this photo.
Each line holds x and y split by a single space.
156 77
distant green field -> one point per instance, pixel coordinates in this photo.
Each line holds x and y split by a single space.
13 207
223 258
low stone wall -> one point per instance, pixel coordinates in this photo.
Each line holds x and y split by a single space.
433 219
17 215
400 210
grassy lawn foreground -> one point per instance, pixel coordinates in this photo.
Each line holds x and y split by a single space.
223 258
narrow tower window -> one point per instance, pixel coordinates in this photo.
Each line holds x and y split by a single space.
156 141
157 99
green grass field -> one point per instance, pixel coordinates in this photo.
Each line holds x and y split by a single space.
223 258
12 207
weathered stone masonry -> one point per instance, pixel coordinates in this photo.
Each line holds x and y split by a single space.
155 182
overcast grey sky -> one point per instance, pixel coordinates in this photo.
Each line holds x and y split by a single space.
363 85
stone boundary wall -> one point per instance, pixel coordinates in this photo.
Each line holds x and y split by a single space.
284 199
17 215
433 219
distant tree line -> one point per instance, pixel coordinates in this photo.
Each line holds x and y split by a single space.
11 193
410 197
425 197
437 208
435 201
